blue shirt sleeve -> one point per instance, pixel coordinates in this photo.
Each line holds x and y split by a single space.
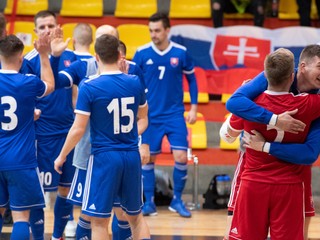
241 102
300 153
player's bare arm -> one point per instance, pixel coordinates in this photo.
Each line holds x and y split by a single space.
254 141
42 45
58 46
192 114
75 134
286 122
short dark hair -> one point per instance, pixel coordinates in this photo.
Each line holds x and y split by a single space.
10 46
3 23
43 14
160 17
107 48
309 52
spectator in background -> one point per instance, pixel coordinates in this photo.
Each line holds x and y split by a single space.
2 25
304 10
256 7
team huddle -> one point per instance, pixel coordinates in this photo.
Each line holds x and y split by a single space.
90 127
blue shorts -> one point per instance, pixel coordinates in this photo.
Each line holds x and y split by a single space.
23 188
176 131
75 195
110 175
48 150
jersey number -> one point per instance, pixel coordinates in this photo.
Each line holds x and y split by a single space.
162 69
114 106
9 113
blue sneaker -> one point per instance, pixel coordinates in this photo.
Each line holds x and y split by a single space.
177 206
149 209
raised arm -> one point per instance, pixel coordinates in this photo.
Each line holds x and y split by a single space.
42 45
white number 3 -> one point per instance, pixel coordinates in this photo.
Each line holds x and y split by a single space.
9 113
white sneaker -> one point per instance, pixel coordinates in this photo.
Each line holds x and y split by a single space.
70 230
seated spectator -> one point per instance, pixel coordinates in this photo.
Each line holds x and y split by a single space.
256 7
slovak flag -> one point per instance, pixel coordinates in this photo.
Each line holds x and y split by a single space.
238 51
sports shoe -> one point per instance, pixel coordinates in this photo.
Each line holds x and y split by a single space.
70 230
177 206
149 209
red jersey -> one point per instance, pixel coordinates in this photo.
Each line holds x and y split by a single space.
262 167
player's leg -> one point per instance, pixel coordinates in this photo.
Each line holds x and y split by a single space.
157 132
2 210
234 191
130 195
100 228
251 217
20 229
177 133
309 204
100 190
287 211
75 196
24 195
120 225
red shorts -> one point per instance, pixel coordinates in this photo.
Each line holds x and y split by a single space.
261 206
306 177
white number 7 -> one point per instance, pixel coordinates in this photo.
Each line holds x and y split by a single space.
162 70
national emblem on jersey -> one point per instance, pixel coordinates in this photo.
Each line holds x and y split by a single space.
67 63
174 61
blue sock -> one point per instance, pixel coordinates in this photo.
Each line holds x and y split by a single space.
37 223
180 173
1 223
83 229
124 230
71 218
62 210
20 231
148 181
115 228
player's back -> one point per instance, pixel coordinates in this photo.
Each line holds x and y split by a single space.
263 167
119 95
18 97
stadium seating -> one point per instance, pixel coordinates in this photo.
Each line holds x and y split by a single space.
230 146
82 8
24 31
134 36
288 9
68 33
27 7
135 8
190 9
203 95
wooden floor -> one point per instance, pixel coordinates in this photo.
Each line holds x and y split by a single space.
204 225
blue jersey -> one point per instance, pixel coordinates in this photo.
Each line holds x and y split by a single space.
112 101
17 134
56 109
163 72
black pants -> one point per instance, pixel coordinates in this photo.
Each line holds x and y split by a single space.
305 10
228 7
